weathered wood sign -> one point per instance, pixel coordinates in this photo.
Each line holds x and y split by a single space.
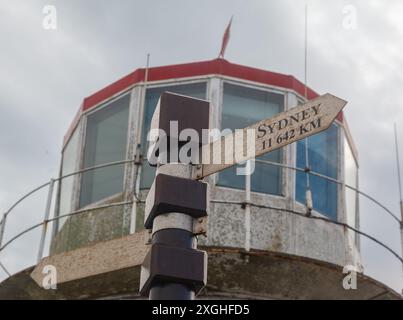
270 134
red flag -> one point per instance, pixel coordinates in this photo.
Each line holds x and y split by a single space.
225 40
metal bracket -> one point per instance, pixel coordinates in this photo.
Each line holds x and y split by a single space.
172 220
197 173
173 194
164 263
148 237
200 226
138 156
309 203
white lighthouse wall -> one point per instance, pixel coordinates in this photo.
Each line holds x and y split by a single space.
271 230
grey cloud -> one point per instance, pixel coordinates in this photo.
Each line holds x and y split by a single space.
46 74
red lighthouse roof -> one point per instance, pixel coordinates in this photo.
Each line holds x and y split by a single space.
194 69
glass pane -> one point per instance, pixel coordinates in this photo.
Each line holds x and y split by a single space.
106 140
322 156
196 90
69 165
242 107
267 178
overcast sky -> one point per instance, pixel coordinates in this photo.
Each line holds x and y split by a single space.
45 74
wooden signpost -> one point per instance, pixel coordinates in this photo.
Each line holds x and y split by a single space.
270 134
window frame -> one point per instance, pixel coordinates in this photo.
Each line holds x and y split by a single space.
76 178
283 151
346 140
161 84
339 173
99 107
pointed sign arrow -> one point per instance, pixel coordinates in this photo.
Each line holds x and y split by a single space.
270 134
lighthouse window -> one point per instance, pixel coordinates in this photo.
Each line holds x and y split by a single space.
243 106
69 165
351 179
196 90
106 138
322 157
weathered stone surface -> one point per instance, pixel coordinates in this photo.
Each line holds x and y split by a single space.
120 282
102 257
92 226
232 273
281 276
273 230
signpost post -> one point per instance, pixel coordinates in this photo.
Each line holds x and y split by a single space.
176 206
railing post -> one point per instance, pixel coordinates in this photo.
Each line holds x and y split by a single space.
5 269
248 186
401 229
45 221
2 227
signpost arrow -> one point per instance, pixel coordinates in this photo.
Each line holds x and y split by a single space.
270 134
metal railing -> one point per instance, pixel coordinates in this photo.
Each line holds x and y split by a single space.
51 184
307 170
47 220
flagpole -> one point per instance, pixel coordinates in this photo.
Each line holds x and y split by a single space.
306 52
225 39
138 151
308 193
398 171
400 187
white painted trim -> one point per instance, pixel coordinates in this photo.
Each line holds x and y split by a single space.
105 103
